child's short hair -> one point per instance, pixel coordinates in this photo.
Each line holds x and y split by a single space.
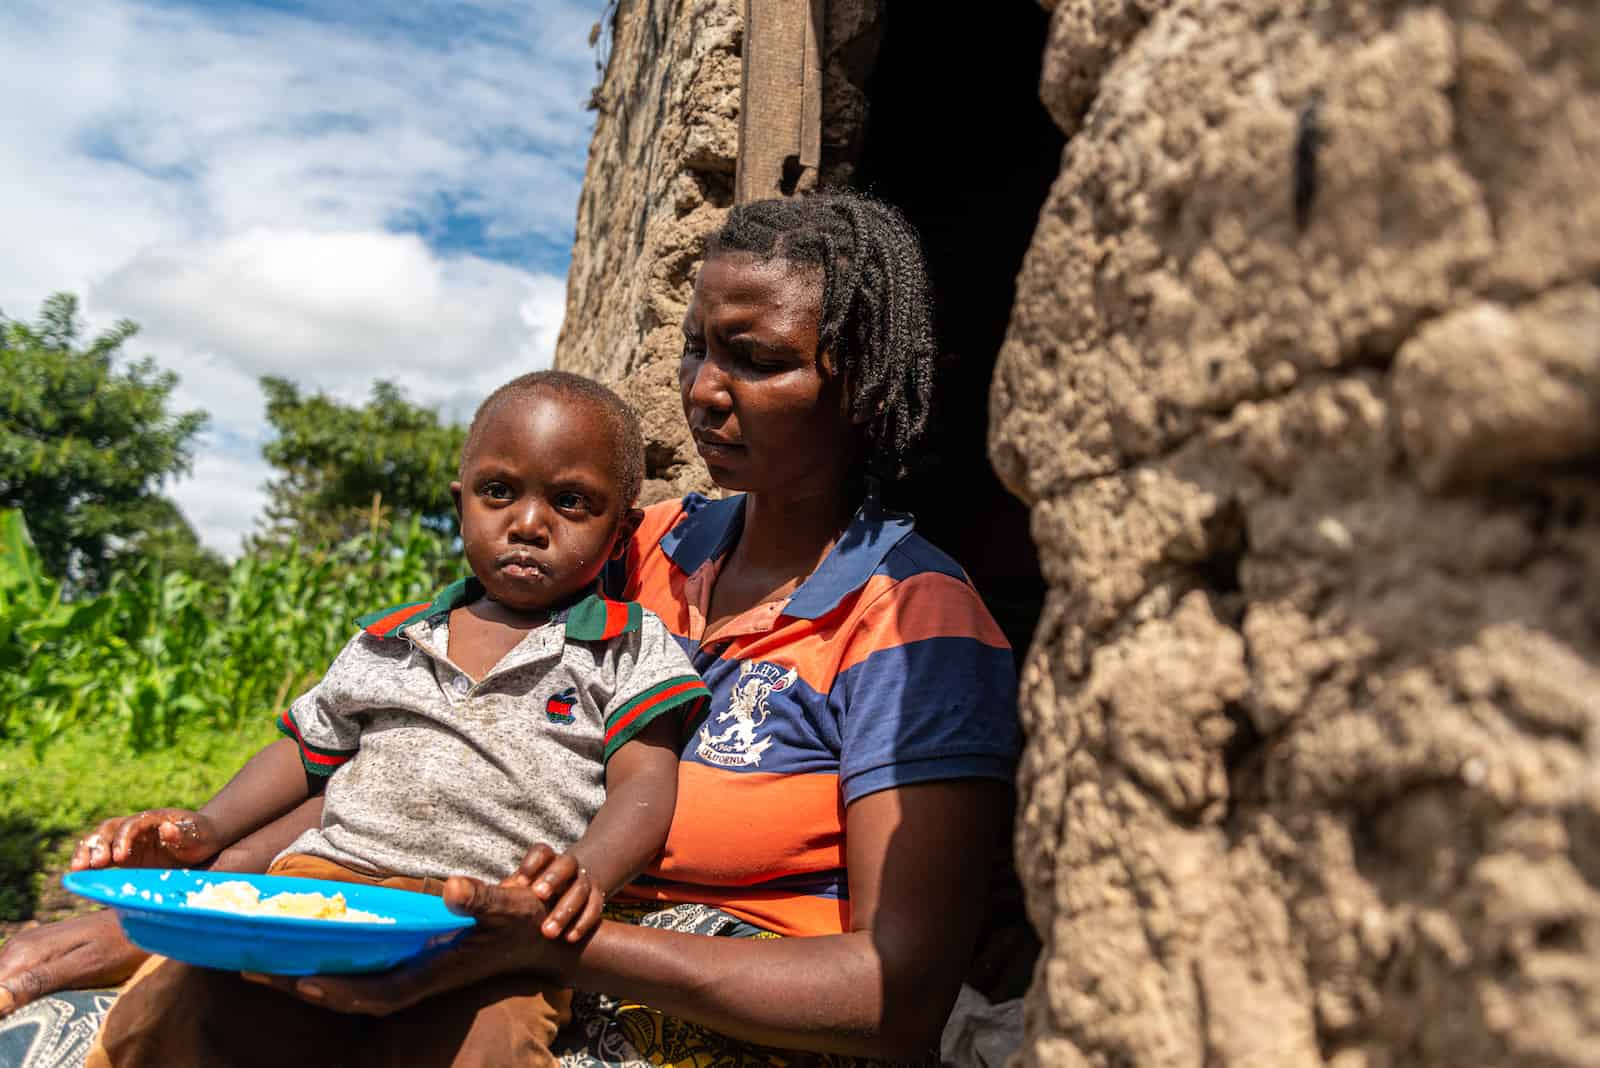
627 458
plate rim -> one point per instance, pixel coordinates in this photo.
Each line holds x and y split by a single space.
75 882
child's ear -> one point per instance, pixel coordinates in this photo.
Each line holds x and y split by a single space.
625 531
455 496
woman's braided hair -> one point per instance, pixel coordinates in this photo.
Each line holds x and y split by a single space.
877 308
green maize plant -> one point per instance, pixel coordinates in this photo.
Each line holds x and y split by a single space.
38 690
158 649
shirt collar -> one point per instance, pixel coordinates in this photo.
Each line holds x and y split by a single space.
594 618
709 530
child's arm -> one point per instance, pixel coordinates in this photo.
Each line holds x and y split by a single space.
625 835
274 781
270 784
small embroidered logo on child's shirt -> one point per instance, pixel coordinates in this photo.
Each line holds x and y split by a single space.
559 707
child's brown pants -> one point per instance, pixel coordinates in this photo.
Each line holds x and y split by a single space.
172 1015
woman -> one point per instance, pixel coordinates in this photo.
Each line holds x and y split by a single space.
853 773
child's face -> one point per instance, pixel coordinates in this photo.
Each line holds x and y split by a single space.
539 503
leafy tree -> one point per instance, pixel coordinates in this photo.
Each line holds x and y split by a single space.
346 468
86 442
170 542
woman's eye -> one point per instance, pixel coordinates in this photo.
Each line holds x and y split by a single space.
693 350
759 359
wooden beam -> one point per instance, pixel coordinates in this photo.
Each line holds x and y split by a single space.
780 108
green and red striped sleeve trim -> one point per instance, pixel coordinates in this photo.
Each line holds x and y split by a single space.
317 760
684 691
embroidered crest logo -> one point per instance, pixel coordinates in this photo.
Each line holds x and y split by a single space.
559 708
738 744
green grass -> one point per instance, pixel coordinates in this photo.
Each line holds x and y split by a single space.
47 801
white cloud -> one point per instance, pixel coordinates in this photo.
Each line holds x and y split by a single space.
232 179
332 311
330 306
223 488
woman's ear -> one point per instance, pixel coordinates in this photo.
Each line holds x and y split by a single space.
847 390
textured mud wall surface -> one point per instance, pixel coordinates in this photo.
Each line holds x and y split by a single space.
1303 383
660 177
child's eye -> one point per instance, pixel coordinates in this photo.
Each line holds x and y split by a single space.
498 491
569 502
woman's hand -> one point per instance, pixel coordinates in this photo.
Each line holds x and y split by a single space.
84 951
506 939
155 838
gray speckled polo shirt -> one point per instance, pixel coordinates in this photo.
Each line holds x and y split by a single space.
433 774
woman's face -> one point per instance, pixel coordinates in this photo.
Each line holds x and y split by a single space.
766 415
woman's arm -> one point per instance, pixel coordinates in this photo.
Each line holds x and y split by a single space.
882 990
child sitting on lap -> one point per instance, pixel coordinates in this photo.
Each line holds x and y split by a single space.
516 714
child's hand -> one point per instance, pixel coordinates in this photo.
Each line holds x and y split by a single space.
155 838
577 910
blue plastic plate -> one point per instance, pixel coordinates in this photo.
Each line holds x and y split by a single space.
152 905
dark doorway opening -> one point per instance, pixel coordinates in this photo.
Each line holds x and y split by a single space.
957 138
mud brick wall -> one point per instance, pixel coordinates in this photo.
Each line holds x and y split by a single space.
659 178
1303 386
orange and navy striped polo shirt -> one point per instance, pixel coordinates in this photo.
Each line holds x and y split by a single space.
883 669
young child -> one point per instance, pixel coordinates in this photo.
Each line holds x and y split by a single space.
516 714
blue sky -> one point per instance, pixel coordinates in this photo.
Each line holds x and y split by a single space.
328 191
